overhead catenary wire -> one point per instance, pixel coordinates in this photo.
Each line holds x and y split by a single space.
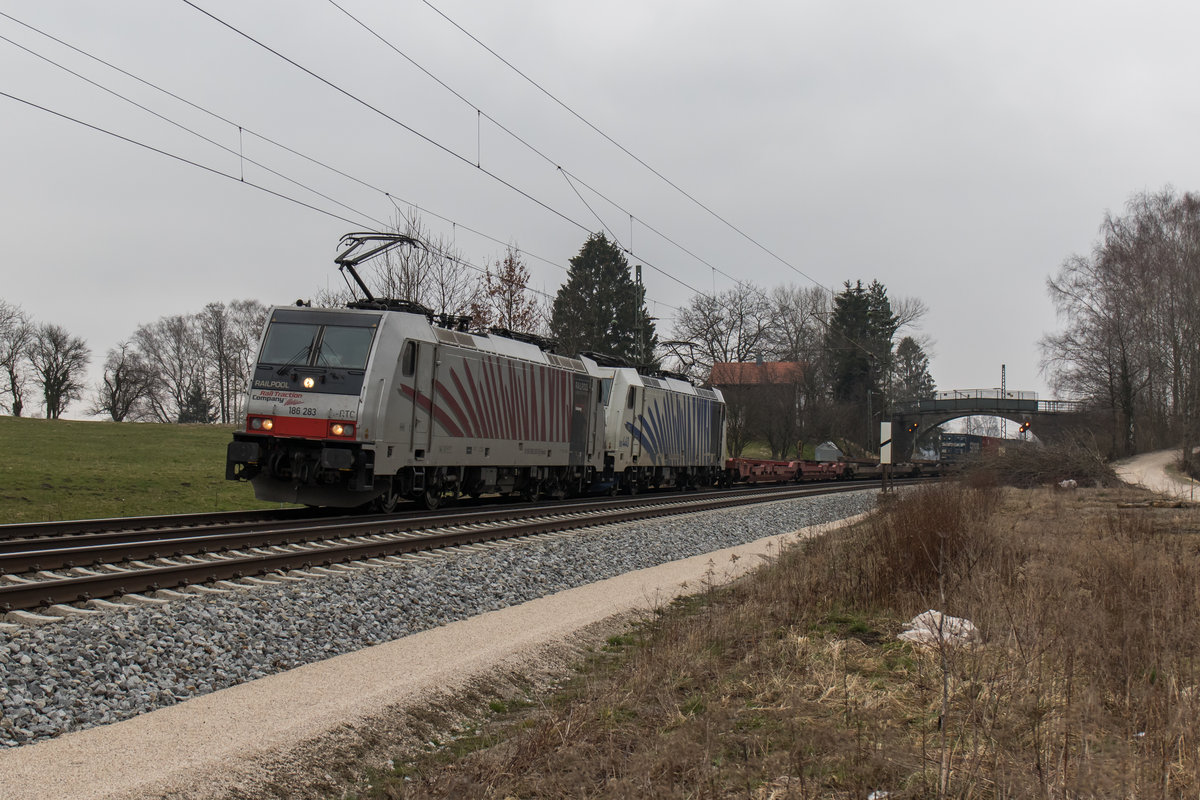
180 158
241 156
507 130
569 177
417 133
572 179
390 196
625 150
242 129
430 140
436 251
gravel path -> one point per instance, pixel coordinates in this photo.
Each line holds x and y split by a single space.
85 672
1149 470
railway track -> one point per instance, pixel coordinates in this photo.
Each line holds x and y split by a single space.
73 527
47 569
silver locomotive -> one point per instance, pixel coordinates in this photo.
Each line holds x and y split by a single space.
375 403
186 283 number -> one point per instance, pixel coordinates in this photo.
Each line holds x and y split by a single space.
300 411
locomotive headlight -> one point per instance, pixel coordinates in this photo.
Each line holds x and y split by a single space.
267 424
309 383
256 424
339 429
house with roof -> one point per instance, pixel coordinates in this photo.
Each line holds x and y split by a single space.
762 401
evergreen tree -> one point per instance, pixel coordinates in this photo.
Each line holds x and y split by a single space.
197 406
859 347
912 378
859 341
600 308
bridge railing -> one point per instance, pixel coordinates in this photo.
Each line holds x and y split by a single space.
1060 406
983 394
987 401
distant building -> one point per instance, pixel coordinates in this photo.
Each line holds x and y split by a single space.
762 401
759 373
827 451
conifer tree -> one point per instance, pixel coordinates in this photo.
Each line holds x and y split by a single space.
859 340
197 407
859 347
601 309
912 378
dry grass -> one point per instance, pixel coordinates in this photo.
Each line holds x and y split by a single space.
792 684
1033 465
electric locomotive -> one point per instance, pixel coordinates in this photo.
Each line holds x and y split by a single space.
375 403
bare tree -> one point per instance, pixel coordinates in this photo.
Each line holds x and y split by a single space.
505 301
331 298
125 385
58 360
979 425
220 367
403 272
434 275
171 349
16 333
247 320
1131 313
909 312
729 327
797 329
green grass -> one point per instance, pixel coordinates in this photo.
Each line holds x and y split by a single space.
68 469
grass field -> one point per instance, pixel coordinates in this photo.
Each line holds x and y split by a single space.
792 683
68 469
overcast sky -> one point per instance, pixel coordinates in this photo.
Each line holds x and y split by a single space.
957 152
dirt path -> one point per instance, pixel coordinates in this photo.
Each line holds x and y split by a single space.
1149 470
264 738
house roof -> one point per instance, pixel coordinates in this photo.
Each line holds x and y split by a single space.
735 373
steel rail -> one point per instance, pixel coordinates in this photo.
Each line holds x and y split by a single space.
20 555
79 527
38 593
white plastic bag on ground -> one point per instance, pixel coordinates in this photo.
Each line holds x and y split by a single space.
933 627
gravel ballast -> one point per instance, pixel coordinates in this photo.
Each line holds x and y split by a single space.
90 671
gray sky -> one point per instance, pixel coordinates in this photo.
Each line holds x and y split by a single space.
957 152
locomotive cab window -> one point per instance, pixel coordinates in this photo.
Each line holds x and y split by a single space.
629 401
294 343
288 343
408 359
344 347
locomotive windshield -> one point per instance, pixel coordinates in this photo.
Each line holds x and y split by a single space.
292 343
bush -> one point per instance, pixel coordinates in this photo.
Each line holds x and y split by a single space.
1028 466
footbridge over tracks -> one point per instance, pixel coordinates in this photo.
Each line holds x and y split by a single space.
1047 419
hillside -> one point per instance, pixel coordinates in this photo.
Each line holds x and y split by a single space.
70 469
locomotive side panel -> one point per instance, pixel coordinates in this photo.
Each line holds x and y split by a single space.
488 413
486 408
405 357
662 431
